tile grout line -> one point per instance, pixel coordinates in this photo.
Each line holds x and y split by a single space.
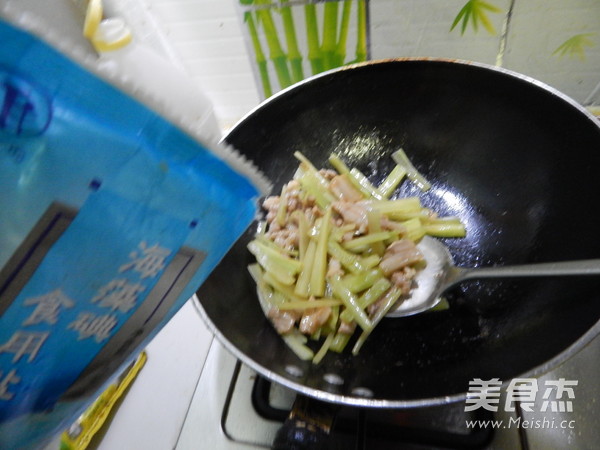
504 35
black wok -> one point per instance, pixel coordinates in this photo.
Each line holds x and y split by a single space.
514 159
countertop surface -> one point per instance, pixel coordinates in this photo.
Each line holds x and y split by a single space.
152 412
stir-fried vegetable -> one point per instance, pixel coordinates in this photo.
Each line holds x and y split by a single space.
336 253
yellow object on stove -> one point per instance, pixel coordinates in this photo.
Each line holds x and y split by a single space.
93 17
79 435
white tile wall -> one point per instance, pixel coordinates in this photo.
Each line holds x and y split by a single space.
207 37
422 28
539 27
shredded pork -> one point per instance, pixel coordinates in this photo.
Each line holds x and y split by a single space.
347 327
344 190
313 319
283 321
364 261
351 212
400 254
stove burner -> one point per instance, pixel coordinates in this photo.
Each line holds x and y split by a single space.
439 427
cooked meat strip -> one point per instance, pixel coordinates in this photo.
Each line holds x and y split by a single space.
347 327
293 196
392 225
287 238
351 212
271 205
283 321
403 278
374 307
341 187
313 319
400 254
328 174
334 267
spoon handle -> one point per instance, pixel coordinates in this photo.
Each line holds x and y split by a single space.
551 269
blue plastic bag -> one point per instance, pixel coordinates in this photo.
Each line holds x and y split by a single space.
110 219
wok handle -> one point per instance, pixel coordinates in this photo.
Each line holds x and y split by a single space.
550 269
307 427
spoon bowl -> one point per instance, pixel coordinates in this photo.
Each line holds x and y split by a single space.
440 274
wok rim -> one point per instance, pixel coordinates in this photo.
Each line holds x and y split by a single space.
357 401
347 400
500 70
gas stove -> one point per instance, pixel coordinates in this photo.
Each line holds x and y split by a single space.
234 408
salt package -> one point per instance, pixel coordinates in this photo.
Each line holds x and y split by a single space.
110 218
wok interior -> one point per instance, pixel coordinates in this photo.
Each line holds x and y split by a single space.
516 162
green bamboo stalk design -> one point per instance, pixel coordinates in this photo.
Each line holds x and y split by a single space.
361 42
315 55
276 52
322 54
329 46
340 51
261 60
294 55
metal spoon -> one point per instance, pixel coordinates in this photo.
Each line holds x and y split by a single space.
440 274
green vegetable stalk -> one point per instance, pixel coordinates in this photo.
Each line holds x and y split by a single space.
356 177
303 284
400 158
315 55
392 181
294 55
276 52
358 282
414 229
338 164
313 182
398 209
282 267
350 261
362 243
295 342
287 291
369 297
324 348
303 229
308 277
351 303
319 267
389 300
261 60
446 228
282 210
374 226
362 183
339 342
